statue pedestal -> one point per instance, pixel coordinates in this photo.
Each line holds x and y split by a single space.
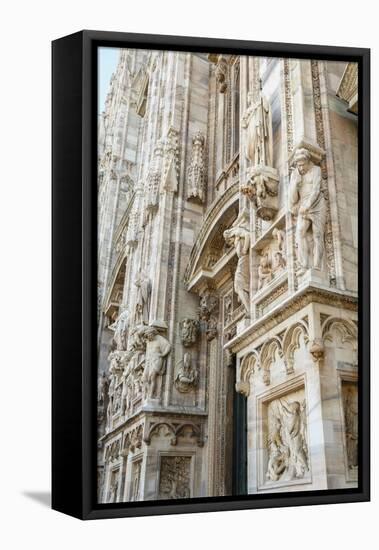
312 275
262 189
242 325
152 403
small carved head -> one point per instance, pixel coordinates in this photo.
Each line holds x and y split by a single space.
150 333
302 160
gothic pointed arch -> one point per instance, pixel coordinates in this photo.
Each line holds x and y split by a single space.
209 246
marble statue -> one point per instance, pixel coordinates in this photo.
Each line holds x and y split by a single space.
279 263
102 388
280 236
157 349
143 298
120 327
264 272
258 124
307 202
196 170
115 369
239 236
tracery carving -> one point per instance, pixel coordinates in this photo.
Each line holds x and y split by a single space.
267 357
346 330
291 343
174 430
247 368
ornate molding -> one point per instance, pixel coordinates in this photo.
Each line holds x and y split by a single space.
287 308
215 212
348 87
320 132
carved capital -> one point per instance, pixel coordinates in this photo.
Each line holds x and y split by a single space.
243 387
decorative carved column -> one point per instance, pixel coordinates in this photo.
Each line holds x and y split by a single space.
162 237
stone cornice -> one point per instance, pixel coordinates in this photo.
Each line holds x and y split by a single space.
290 306
143 415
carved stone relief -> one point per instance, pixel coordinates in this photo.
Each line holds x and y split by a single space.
187 376
136 480
273 259
222 74
188 331
287 445
113 486
350 408
175 477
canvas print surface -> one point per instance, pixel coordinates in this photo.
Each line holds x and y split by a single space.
227 275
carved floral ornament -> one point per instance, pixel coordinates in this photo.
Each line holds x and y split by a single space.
345 329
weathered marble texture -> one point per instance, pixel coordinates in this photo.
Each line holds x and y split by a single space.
166 199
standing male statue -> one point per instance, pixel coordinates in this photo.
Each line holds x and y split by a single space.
120 327
143 298
239 236
307 202
157 348
258 124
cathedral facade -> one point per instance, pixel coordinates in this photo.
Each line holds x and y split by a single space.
227 276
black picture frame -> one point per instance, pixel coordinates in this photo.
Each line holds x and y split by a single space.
74 203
